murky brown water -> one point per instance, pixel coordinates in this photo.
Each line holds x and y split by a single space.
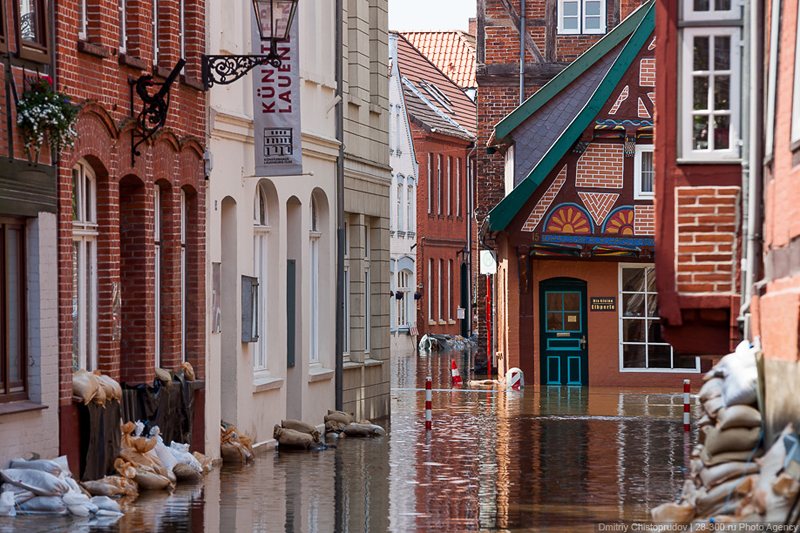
548 459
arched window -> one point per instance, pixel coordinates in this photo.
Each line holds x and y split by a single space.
314 238
260 270
84 267
399 203
184 277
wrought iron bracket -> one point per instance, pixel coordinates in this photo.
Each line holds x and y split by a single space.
153 115
224 70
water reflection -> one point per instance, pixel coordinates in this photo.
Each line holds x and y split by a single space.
551 458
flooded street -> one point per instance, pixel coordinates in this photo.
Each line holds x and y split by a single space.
547 459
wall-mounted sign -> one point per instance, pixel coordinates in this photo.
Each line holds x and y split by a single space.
488 263
603 303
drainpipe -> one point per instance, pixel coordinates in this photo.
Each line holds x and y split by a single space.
470 213
752 171
340 236
522 31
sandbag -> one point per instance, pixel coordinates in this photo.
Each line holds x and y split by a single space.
78 504
112 389
289 438
184 472
740 386
713 476
7 504
111 486
705 502
302 427
770 464
44 505
672 513
43 465
234 452
711 389
104 503
713 405
739 416
63 464
705 420
731 440
85 385
165 454
149 480
340 416
182 456
36 481
188 371
204 461
163 375
332 426
19 494
711 460
363 430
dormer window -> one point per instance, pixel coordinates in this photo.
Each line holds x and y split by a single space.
437 95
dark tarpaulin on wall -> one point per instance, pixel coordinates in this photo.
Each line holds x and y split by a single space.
99 438
169 406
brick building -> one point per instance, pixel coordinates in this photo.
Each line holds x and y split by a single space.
556 33
574 231
131 243
28 237
442 119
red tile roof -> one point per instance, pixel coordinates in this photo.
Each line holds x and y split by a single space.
453 52
427 79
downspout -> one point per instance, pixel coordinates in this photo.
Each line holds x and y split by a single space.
340 236
752 171
470 213
522 31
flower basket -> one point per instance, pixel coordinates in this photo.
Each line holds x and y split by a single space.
45 115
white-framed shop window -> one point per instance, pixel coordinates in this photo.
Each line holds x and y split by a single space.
184 278
84 267
314 238
710 94
347 338
644 172
261 259
708 10
123 25
83 20
582 17
367 289
641 346
157 231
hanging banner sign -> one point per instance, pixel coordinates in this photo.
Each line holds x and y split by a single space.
276 109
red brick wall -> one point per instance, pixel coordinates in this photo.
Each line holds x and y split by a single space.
439 237
600 166
96 75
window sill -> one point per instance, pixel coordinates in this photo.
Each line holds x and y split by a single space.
92 49
431 323
20 406
320 374
451 322
132 61
34 55
710 161
372 362
442 323
265 383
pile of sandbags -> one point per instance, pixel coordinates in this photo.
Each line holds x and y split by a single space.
295 434
340 423
95 387
728 481
235 447
40 486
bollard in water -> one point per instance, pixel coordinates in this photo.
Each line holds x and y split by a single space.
455 377
687 426
428 398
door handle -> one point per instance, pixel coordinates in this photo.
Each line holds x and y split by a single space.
583 342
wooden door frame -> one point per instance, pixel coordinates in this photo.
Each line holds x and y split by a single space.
563 284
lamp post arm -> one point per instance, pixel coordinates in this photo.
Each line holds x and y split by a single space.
224 70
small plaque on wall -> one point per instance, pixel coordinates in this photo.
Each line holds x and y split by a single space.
603 303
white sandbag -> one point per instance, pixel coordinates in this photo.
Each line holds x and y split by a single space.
43 465
44 505
165 454
104 503
711 389
182 455
739 416
73 485
7 503
63 464
36 481
20 495
740 386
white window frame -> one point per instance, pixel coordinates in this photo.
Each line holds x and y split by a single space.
430 184
621 317
123 26
367 290
399 202
639 194
458 187
85 233
430 290
261 259
689 13
581 30
347 338
438 184
182 28
449 290
401 285
314 236
687 97
771 80
157 270
449 186
184 273
410 211
155 27
83 20
439 292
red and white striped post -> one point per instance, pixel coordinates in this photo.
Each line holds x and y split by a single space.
687 426
428 399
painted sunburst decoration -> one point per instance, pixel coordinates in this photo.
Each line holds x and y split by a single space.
569 219
620 222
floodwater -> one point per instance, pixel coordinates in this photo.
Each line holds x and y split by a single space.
546 459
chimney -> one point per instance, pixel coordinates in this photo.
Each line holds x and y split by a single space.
473 27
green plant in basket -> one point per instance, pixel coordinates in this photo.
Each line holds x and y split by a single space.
45 115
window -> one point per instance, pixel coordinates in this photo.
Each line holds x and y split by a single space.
509 169
711 10
314 236
400 205
643 172
84 268
437 95
182 28
157 215
458 187
33 22
430 291
449 185
439 293
430 184
184 280
402 303
641 346
367 290
772 79
581 16
261 259
439 201
450 290
12 310
123 25
710 105
156 28
410 212
83 20
346 288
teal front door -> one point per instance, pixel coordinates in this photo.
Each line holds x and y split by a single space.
564 355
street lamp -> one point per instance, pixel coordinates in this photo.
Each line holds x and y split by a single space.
274 18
